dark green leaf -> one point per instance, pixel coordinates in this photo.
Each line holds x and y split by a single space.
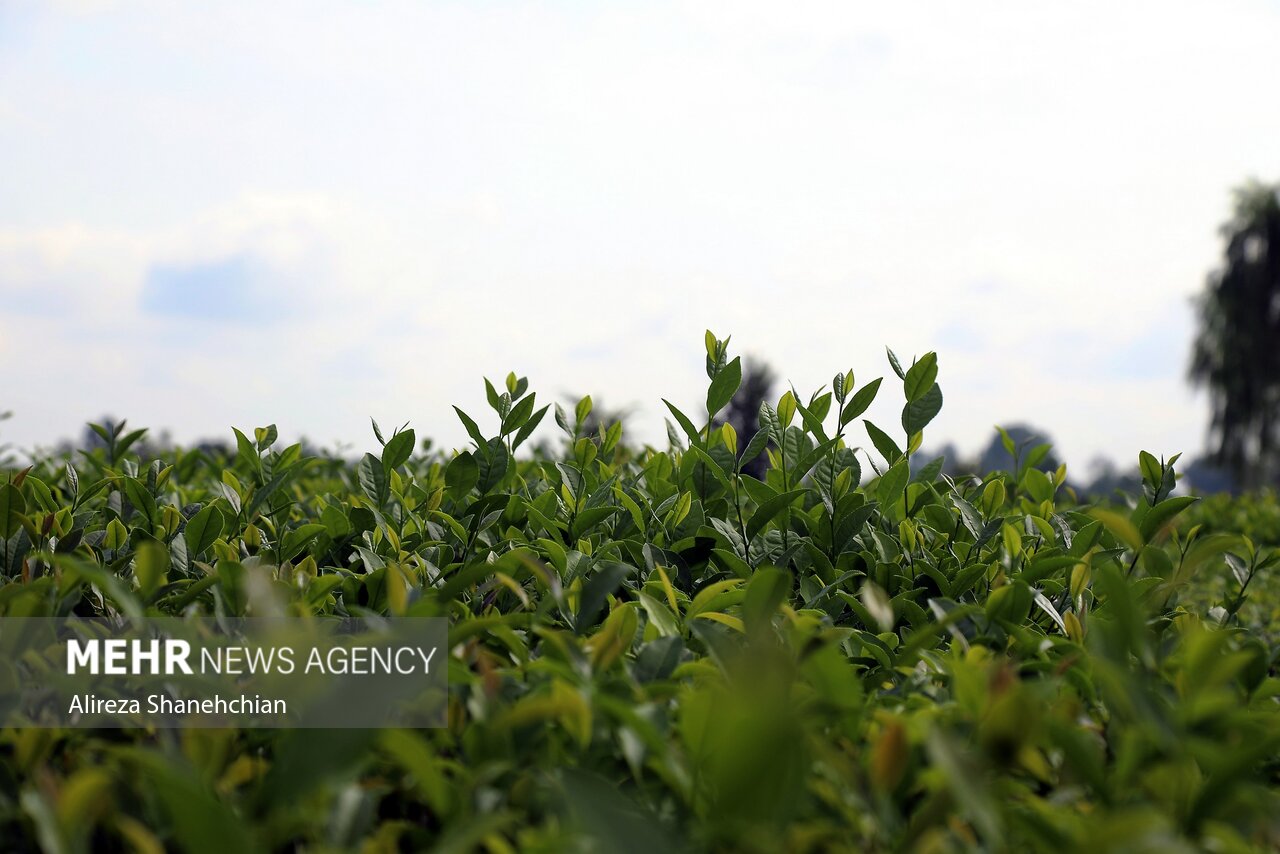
860 401
373 479
770 509
596 590
473 430
685 424
886 446
203 528
889 490
724 386
917 414
921 377
398 450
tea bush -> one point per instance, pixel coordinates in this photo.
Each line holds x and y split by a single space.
1256 516
1253 516
651 651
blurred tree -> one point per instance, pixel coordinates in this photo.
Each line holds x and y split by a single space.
601 416
1025 437
743 411
91 440
1237 350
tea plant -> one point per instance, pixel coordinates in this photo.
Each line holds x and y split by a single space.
651 649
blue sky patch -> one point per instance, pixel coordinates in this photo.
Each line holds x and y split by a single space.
234 288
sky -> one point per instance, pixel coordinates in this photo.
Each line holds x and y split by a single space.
314 213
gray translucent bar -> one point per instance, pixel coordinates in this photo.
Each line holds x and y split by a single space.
205 671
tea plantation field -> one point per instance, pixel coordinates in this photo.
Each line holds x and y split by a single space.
651 650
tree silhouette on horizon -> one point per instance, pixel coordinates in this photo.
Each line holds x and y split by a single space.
1237 349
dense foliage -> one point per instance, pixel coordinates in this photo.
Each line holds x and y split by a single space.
651 650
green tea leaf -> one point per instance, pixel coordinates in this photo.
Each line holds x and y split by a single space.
886 446
203 528
397 450
889 491
151 567
12 506
920 378
917 414
724 386
769 510
373 479
859 403
473 430
1162 514
595 592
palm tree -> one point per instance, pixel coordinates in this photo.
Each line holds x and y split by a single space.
1237 350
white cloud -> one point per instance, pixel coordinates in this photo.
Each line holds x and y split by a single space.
575 192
